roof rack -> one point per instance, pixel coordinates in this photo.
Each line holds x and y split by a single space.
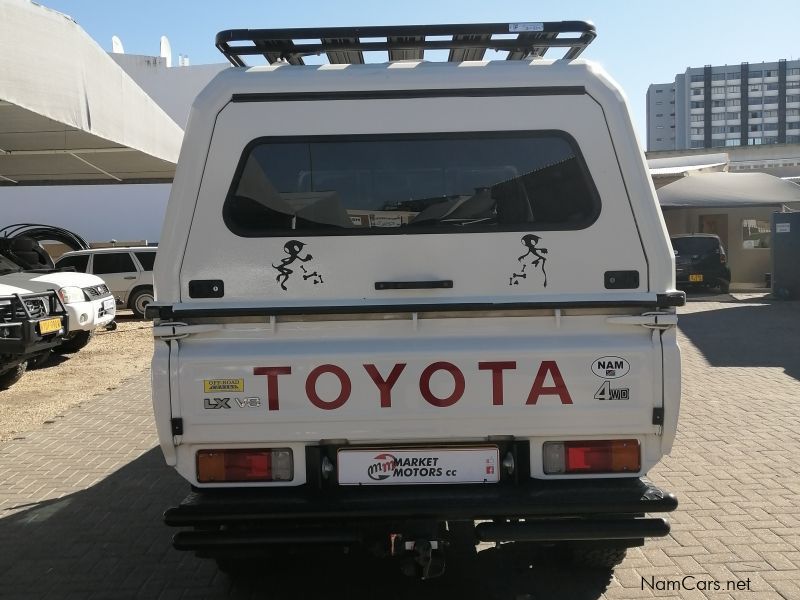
346 45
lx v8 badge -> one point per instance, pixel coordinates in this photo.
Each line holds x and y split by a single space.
218 403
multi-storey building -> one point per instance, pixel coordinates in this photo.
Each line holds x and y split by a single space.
725 106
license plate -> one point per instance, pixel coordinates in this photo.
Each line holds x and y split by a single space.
695 278
388 466
109 303
49 325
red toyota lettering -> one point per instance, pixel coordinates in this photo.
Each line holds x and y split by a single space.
311 387
539 389
425 384
385 385
497 369
272 383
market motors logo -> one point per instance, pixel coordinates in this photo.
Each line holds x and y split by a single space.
382 468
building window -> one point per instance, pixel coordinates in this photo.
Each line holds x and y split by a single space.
734 89
754 74
793 139
697 143
770 73
733 102
733 76
770 127
718 129
793 98
659 127
792 112
697 92
733 142
793 84
756 114
696 130
732 115
734 129
718 77
770 113
754 127
755 234
754 87
717 103
659 114
697 78
717 90
698 104
696 118
793 71
659 139
772 86
659 102
659 91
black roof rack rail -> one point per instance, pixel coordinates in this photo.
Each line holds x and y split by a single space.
346 45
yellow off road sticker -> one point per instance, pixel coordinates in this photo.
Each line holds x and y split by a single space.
223 385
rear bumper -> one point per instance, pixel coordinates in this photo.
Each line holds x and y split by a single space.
600 509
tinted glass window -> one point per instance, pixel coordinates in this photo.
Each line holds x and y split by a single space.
113 262
411 184
79 263
695 245
147 259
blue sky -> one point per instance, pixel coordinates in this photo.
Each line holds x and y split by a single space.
639 42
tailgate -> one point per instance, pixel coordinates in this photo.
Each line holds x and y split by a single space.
418 377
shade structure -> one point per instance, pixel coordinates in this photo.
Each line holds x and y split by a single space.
728 190
68 113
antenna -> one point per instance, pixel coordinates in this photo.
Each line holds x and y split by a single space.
116 45
166 50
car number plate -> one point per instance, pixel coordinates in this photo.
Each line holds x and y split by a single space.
695 278
109 303
388 466
49 325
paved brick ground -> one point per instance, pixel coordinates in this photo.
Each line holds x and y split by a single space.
80 500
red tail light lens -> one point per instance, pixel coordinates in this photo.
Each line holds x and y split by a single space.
244 464
592 456
723 258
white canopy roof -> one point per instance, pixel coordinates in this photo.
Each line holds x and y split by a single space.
728 190
677 165
69 113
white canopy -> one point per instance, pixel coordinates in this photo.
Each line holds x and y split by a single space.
69 113
728 190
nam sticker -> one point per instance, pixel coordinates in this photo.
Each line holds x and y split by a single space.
534 258
223 385
293 249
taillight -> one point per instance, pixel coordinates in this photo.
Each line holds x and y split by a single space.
592 456
245 464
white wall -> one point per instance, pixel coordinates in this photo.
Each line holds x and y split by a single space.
98 213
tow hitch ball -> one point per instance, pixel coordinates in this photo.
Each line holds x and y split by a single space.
421 558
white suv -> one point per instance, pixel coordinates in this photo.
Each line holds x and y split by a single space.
128 272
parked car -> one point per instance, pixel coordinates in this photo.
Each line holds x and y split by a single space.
701 261
128 272
31 324
88 302
445 294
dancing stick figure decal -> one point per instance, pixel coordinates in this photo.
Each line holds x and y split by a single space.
534 257
293 248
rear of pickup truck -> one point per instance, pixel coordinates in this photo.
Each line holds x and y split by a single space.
397 299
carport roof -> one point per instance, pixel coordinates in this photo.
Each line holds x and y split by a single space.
68 113
728 190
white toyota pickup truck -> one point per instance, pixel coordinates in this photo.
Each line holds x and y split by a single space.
397 298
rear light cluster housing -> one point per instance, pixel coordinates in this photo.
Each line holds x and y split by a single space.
592 457
241 465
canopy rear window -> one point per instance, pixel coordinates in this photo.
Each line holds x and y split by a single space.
432 183
694 245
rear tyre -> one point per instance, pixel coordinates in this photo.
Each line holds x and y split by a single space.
12 376
724 287
598 557
139 301
75 342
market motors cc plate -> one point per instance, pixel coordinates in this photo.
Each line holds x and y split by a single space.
388 466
